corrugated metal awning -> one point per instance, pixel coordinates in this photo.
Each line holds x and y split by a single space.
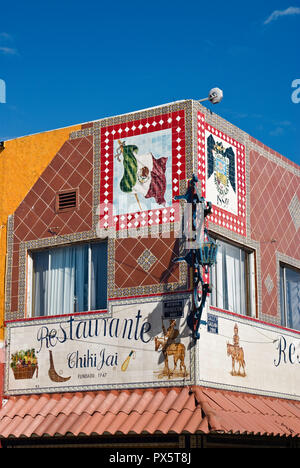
178 410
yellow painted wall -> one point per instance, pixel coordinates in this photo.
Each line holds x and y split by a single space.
21 163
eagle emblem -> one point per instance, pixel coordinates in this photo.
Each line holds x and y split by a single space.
221 164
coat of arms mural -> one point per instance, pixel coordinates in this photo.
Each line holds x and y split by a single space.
222 171
221 186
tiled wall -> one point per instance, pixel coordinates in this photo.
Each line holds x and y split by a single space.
145 266
36 223
266 217
21 163
270 192
275 220
141 265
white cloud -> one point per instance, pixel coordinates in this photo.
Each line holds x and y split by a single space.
8 51
277 13
281 127
277 131
5 36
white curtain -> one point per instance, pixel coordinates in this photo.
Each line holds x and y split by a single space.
70 279
61 281
228 279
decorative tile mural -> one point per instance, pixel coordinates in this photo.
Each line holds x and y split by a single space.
143 169
221 169
143 163
146 260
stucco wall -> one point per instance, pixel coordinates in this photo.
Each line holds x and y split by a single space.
21 164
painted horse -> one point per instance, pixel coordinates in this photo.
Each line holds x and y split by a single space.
177 350
237 355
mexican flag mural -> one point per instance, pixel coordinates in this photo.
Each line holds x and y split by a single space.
143 174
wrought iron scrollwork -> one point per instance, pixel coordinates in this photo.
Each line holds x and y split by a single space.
200 255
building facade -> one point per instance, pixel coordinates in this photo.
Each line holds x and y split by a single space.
98 348
22 162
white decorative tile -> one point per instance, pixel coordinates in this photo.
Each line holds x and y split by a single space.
269 284
294 209
146 260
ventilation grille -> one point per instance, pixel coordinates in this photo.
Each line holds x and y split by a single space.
66 201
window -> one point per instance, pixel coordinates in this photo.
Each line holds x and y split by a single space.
232 280
69 279
290 297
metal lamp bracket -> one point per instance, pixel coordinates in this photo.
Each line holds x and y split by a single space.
195 258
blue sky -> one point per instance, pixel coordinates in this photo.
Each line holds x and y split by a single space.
67 62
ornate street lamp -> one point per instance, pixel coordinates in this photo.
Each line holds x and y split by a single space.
203 250
208 251
201 254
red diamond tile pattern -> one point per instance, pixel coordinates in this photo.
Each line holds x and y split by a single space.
128 271
272 190
71 168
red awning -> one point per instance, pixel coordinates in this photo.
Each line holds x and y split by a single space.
176 410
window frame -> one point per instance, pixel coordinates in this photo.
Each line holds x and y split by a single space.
284 320
30 286
250 278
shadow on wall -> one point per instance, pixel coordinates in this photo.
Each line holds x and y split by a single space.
159 323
